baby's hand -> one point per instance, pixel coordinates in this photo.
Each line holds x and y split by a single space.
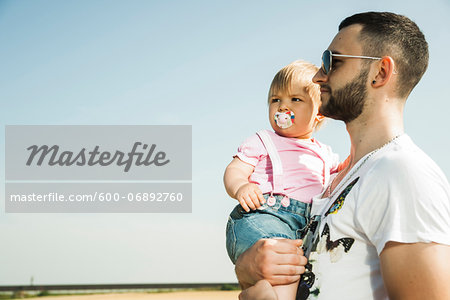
250 196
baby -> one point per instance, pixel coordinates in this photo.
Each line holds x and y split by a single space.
275 173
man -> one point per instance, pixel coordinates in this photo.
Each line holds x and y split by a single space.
384 222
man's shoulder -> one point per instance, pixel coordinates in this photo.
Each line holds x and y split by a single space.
403 154
404 162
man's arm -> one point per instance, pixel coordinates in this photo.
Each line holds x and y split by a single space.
416 270
280 261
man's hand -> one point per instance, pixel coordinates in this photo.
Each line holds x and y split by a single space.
262 290
250 196
279 261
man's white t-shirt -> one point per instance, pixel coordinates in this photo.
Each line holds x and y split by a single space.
397 194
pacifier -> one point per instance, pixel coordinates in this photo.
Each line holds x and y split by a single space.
284 119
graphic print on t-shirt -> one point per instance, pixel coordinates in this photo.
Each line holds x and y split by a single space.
336 248
337 205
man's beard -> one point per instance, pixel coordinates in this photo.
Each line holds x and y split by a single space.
347 103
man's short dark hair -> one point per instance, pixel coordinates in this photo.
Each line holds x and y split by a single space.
389 34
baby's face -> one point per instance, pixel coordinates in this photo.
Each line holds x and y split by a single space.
293 113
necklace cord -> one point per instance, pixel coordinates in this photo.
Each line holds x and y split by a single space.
331 193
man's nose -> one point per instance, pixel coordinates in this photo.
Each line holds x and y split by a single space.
320 77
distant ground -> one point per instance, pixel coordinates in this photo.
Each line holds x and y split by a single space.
187 295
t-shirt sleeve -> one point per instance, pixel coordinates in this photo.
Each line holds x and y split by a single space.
404 202
251 151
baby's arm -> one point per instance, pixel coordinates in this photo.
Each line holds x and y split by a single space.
238 187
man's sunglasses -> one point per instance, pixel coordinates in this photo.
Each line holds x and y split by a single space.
327 59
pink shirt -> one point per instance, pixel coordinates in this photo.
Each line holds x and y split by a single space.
307 165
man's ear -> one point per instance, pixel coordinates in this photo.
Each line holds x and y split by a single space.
386 69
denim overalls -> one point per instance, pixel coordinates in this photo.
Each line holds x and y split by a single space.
279 217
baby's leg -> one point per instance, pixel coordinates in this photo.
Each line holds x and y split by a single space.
286 292
245 229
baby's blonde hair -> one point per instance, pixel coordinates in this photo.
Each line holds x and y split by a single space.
299 71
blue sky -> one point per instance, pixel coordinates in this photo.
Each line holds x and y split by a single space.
202 63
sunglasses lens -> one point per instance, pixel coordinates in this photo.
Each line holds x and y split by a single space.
326 61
